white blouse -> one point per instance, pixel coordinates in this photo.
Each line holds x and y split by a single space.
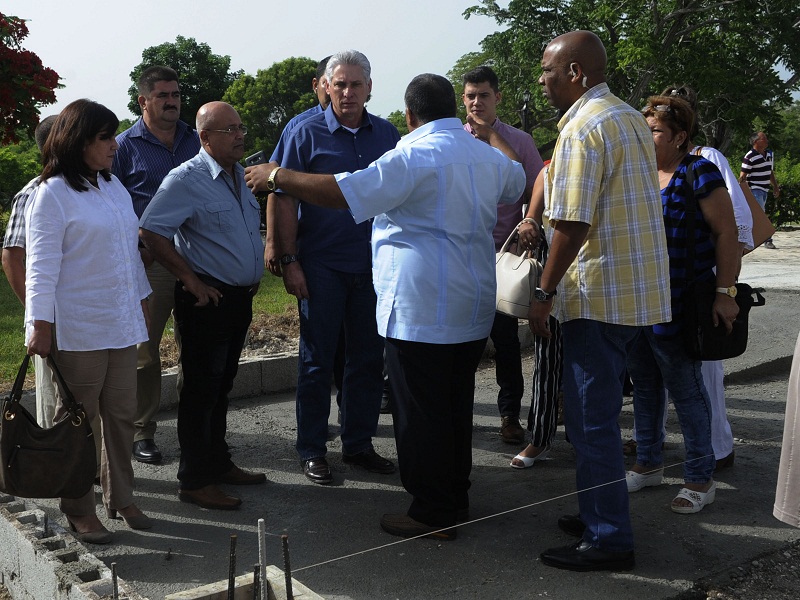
83 268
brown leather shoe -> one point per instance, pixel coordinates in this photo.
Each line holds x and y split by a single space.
237 476
511 431
211 497
405 526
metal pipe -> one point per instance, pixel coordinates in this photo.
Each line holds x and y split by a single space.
232 569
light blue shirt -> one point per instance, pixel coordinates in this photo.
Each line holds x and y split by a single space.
434 199
216 230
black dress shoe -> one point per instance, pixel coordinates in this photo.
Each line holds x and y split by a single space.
371 461
572 525
582 556
146 451
317 470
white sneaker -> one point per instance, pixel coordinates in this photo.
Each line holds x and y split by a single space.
637 481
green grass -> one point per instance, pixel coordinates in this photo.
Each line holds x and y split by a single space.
271 299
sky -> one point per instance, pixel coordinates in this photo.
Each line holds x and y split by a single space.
94 45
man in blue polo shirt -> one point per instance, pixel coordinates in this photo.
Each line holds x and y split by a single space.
154 145
326 264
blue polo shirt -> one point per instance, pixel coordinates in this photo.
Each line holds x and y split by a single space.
215 230
277 154
142 161
321 145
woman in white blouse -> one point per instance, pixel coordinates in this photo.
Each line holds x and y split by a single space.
86 298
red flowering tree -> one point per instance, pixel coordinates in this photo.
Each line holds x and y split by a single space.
25 84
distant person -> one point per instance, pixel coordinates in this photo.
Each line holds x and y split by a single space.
433 200
787 493
217 259
86 300
758 172
14 267
326 265
481 97
608 262
151 148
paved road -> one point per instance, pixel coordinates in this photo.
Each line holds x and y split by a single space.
339 551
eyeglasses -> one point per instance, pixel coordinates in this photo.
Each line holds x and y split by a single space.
231 130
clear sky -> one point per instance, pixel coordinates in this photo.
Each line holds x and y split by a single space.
94 44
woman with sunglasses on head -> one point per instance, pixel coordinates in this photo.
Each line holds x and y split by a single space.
86 298
658 359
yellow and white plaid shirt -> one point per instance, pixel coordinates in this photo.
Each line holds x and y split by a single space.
604 173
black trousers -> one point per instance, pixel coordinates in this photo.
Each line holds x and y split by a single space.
433 391
212 338
507 364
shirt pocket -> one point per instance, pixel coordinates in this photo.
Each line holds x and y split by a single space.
220 216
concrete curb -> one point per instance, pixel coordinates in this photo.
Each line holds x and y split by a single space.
42 560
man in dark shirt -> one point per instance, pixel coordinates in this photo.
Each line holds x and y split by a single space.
154 145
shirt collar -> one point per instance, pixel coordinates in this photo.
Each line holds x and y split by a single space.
597 91
139 129
429 128
214 167
333 122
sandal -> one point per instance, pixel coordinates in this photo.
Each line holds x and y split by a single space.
529 461
698 499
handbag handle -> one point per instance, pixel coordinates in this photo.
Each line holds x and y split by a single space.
504 248
74 408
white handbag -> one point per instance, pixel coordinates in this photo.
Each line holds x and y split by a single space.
517 278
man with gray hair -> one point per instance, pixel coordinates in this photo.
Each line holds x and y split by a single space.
326 264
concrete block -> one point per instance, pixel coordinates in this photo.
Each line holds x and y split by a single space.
243 589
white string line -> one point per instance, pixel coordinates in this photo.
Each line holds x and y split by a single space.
501 513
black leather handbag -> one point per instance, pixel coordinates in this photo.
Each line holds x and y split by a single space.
59 462
702 340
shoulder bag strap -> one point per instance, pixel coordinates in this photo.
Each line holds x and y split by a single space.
691 214
74 407
16 390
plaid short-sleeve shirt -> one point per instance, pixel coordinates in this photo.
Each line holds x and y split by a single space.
15 230
604 173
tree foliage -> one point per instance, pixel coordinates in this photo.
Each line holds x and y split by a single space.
204 75
398 119
268 100
725 49
19 163
25 83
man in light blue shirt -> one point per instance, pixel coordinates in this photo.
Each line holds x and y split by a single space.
434 199
217 260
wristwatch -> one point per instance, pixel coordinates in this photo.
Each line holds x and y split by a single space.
271 180
541 296
287 259
728 291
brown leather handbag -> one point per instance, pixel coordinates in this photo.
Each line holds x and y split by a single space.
59 462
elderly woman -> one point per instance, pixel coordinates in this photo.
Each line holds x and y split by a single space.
658 358
86 298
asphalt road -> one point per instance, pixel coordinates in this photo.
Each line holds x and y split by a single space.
339 551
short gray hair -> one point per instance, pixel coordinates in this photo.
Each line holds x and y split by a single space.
348 57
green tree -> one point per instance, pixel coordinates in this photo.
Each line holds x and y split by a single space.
398 119
19 163
204 75
268 100
25 83
726 50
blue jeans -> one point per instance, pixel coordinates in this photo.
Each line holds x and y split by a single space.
657 362
338 301
594 365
